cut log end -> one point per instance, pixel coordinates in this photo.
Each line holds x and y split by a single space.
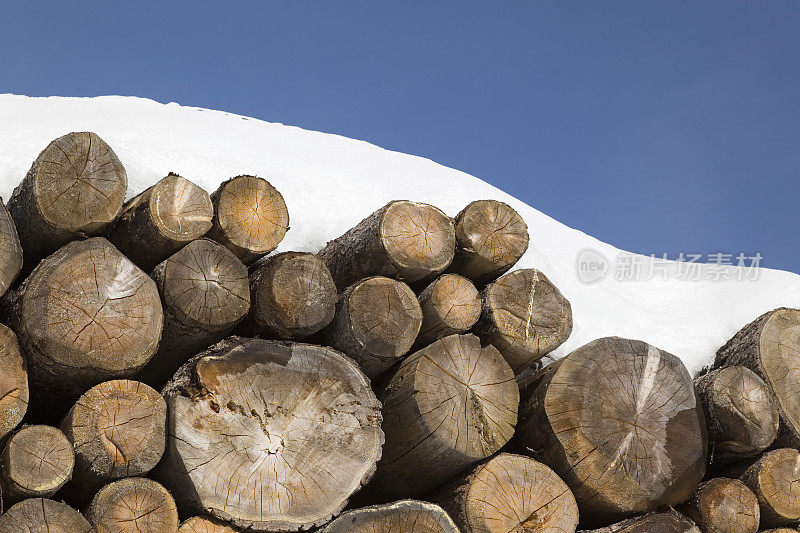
135 505
43 515
36 462
666 522
13 382
723 505
450 304
404 515
205 524
10 250
774 478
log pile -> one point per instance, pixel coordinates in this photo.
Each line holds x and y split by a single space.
162 370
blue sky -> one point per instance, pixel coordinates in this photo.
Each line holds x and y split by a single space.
660 127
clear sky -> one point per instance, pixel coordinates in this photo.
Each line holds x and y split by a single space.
659 127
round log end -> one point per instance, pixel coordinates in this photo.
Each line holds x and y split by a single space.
10 251
42 515
205 524
404 515
774 479
135 505
37 462
13 382
450 304
181 210
723 505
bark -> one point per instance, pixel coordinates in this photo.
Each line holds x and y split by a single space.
664 522
161 220
447 407
135 505
85 315
13 382
117 429
204 292
409 241
619 421
75 188
205 524
450 305
723 505
250 217
524 316
490 238
292 296
10 250
36 462
269 435
404 515
376 323
38 515
770 347
510 493
741 414
774 478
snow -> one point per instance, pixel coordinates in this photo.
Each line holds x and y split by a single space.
331 182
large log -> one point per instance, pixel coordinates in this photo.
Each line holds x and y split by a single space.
741 414
413 516
292 296
36 462
770 347
117 429
510 493
409 241
205 294
269 435
665 522
490 238
376 322
250 217
13 382
723 505
450 305
133 505
524 316
85 315
75 187
10 250
447 407
205 524
774 479
161 220
38 515
618 420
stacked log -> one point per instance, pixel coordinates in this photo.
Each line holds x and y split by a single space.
10 250
204 524
774 478
135 505
404 515
36 462
665 522
13 382
450 305
43 515
723 505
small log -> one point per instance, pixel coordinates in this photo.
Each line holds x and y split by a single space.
75 187
723 505
409 241
779 530
10 250
447 407
250 217
85 315
205 524
404 515
13 382
36 462
524 316
39 515
774 479
133 505
161 220
450 305
741 414
618 420
510 493
770 347
205 294
490 238
376 322
269 435
292 296
665 522
117 429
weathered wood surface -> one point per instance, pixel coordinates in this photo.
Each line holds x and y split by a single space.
270 435
450 304
292 296
411 516
664 522
161 220
133 505
770 347
447 407
86 314
376 323
75 187
205 293
524 316
38 515
250 217
409 241
618 420
117 429
10 250
510 494
205 524
13 382
490 238
740 411
775 480
723 505
36 462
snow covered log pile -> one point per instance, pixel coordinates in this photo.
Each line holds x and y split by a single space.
161 372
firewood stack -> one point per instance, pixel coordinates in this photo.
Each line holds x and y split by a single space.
160 372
